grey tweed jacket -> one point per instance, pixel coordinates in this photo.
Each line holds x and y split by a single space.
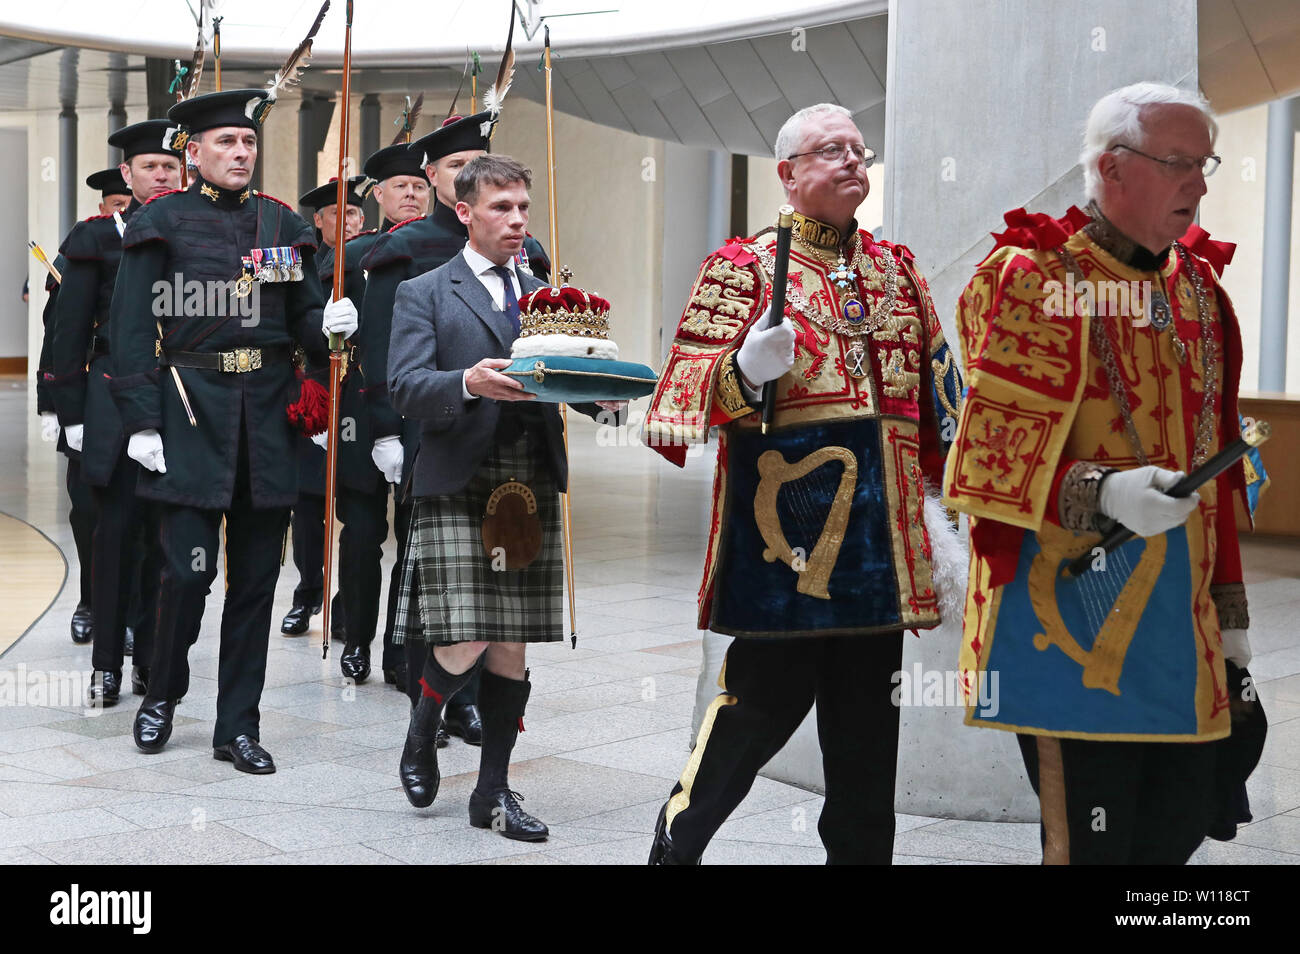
444 321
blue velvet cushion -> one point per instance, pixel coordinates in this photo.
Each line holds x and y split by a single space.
559 379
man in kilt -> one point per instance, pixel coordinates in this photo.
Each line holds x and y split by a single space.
479 429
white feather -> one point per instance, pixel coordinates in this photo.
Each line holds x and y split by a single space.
949 559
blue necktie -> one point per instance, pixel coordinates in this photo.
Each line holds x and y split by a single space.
511 300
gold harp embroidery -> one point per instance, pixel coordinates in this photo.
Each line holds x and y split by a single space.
774 471
1114 615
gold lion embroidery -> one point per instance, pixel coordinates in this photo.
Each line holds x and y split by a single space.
898 380
728 274
721 313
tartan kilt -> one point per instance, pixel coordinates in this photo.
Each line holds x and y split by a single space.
449 592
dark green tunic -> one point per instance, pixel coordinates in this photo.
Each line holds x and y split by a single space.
93 251
180 238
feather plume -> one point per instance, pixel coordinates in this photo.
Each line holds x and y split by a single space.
191 86
406 121
495 96
465 72
287 75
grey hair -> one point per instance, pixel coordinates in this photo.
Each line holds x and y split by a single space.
791 133
1117 118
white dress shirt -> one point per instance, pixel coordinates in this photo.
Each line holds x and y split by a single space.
482 269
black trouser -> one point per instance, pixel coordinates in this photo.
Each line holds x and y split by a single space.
126 569
361 549
1121 803
768 687
309 550
190 539
82 516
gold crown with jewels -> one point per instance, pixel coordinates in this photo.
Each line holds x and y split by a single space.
563 311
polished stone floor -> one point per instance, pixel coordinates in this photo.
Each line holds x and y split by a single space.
608 726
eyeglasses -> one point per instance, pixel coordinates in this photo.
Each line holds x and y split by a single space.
1178 165
834 152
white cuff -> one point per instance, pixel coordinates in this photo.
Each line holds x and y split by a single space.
464 389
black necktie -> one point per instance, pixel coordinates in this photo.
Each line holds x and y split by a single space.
511 300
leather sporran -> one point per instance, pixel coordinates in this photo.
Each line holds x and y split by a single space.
511 528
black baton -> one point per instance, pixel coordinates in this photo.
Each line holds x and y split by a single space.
784 226
1117 534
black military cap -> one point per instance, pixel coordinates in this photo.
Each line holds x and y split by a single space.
328 194
391 161
457 134
108 182
233 107
148 137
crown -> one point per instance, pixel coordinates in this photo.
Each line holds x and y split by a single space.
563 311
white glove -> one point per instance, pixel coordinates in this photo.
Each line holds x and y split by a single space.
767 353
321 440
49 426
1236 647
1136 498
340 317
74 434
387 455
146 449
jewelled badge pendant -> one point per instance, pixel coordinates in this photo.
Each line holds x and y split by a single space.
842 275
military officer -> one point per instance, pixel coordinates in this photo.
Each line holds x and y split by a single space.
402 191
115 195
203 395
308 522
122 547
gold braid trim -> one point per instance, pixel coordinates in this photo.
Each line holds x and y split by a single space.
729 393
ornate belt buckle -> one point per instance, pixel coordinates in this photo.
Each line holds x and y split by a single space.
241 360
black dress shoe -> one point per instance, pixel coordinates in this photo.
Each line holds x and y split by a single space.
464 721
418 769
153 724
500 812
355 663
82 629
128 643
105 688
247 755
443 739
139 680
662 852
298 620
396 677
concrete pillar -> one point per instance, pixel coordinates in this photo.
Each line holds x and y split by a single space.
1280 169
116 101
369 144
306 139
966 139
68 177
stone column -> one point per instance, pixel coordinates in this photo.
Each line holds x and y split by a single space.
369 144
116 101
1280 170
68 176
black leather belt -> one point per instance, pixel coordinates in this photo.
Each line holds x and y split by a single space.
238 361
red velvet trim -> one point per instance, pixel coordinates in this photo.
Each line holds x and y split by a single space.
160 195
274 199
1037 230
999 544
521 723
735 253
1218 254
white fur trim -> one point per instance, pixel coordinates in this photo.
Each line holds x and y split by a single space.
949 559
567 346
